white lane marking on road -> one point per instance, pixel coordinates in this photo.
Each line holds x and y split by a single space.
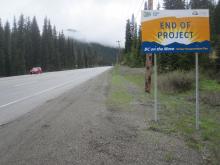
22 84
36 94
44 91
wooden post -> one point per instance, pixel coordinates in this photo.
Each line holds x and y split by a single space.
148 73
149 59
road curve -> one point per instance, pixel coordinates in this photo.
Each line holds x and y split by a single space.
20 94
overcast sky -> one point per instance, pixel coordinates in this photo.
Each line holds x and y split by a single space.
100 21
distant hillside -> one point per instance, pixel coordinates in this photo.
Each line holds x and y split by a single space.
23 46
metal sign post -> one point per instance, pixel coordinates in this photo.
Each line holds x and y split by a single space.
155 87
176 31
197 91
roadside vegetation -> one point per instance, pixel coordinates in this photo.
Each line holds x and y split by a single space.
177 113
23 46
176 84
120 97
176 107
133 55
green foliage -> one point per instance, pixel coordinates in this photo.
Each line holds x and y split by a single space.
7 48
209 85
216 18
174 4
207 4
169 157
179 116
2 54
176 82
133 56
210 130
119 95
128 39
24 47
177 112
20 47
135 79
170 62
217 28
200 4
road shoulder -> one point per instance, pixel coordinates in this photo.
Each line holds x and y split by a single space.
83 127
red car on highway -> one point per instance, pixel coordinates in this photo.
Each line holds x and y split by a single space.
36 70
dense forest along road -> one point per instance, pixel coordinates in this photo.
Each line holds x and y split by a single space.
21 94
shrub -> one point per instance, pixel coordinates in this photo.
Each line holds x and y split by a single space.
218 77
176 81
211 97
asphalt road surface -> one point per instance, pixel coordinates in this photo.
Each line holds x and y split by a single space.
79 128
21 94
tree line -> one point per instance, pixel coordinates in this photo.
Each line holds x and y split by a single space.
24 46
133 55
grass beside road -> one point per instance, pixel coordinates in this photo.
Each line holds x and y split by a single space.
176 110
120 97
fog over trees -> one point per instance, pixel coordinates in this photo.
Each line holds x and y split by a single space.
23 46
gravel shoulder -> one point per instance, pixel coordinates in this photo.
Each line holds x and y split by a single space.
81 128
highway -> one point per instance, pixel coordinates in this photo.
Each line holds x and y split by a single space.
21 94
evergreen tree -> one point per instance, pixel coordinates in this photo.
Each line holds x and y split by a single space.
2 54
206 4
176 61
7 48
20 63
28 44
216 18
61 43
200 4
158 5
128 40
132 51
141 57
217 25
56 53
80 57
74 55
50 47
174 4
14 56
44 46
36 43
70 54
75 52
24 47
187 4
134 48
